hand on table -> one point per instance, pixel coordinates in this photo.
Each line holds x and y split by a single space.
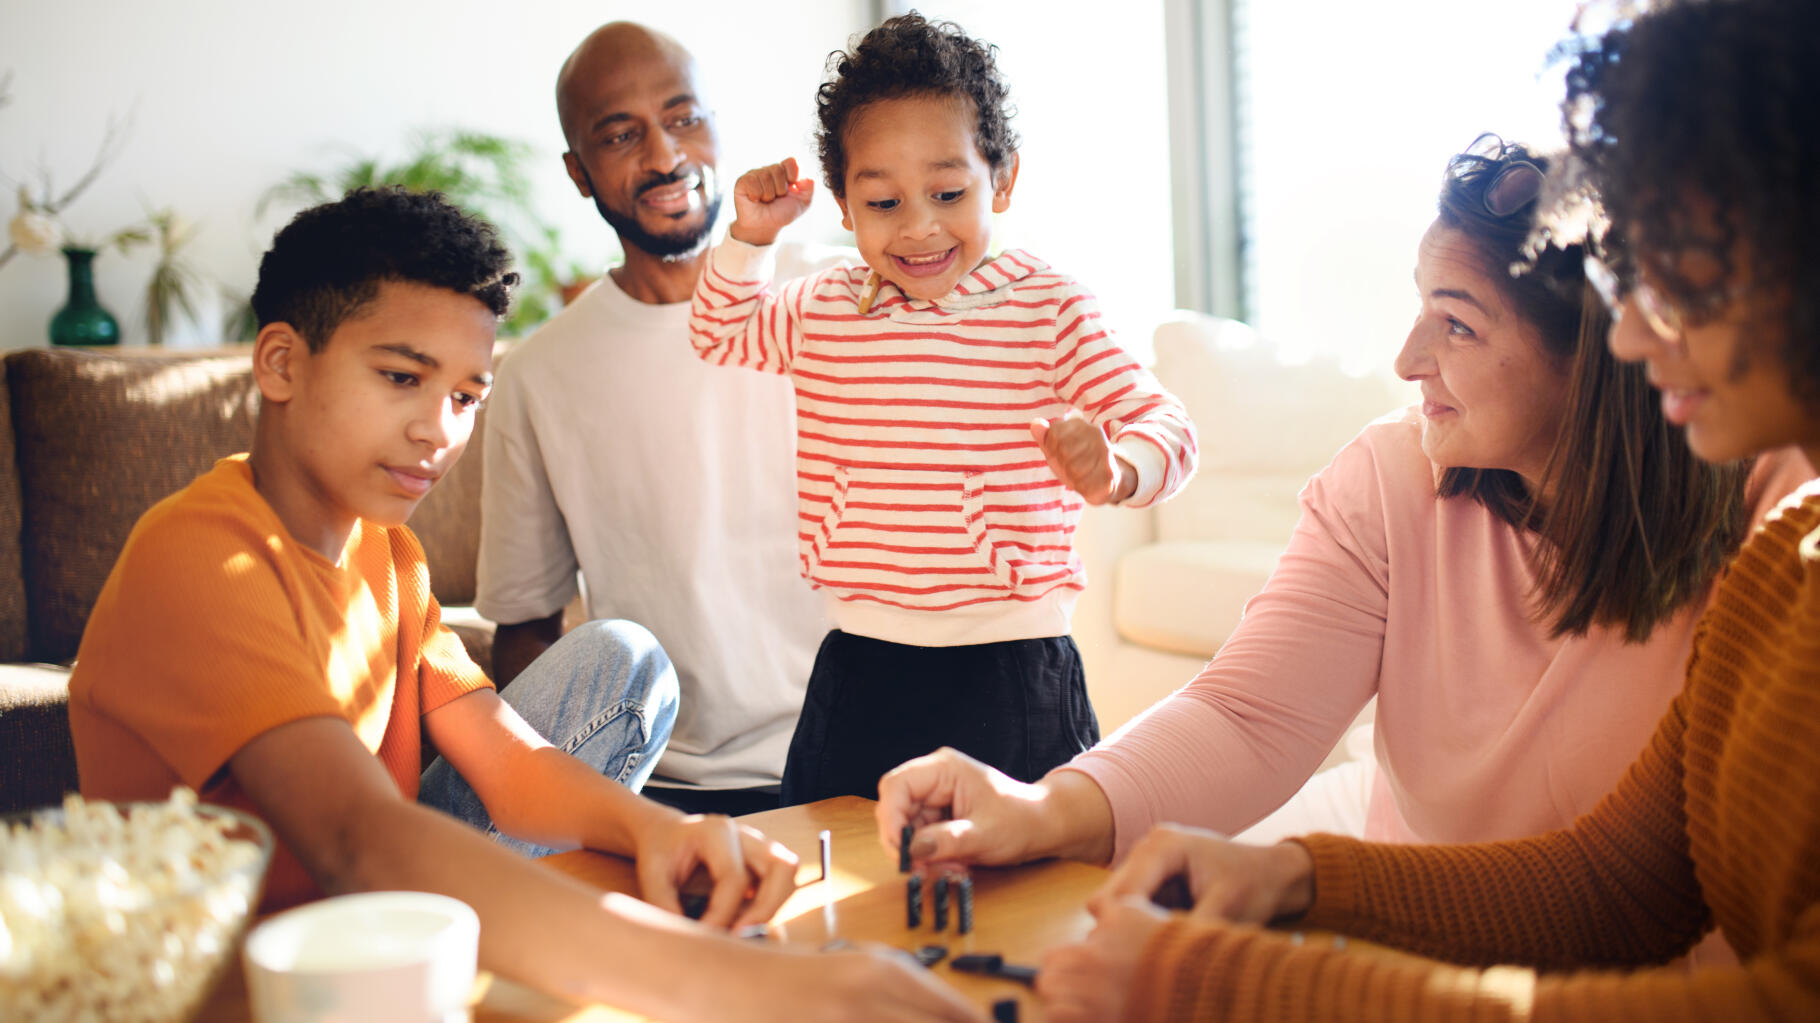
1226 880
1090 981
752 874
1081 456
767 200
963 810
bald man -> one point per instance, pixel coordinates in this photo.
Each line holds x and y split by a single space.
613 452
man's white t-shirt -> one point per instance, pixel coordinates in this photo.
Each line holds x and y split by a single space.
670 485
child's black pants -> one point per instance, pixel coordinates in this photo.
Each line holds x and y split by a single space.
1020 706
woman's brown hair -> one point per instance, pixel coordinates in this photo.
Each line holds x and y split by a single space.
1636 527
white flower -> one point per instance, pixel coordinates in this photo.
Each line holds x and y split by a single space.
180 228
35 232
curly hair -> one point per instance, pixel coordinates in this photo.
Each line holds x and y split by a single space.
911 56
1699 124
1637 526
329 260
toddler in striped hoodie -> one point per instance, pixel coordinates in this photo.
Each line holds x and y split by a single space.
954 412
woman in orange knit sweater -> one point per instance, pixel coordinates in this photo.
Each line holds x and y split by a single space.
1699 123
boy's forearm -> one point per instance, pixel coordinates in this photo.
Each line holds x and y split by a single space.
559 801
537 926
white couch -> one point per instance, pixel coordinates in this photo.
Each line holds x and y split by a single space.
1167 584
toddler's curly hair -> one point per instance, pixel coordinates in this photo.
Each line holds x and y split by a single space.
912 56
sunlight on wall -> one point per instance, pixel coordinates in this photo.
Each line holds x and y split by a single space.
1349 127
226 99
1092 198
1351 111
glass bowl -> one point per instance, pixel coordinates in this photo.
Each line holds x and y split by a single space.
124 912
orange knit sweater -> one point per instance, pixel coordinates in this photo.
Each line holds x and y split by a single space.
1718 823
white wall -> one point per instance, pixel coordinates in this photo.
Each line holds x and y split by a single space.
1089 83
227 97
1352 111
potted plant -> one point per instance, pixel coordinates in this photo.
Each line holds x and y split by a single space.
483 174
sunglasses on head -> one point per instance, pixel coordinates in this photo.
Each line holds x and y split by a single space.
1515 184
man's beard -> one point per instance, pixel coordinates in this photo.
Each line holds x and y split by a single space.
681 243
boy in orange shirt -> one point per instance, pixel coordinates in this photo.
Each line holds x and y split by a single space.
268 638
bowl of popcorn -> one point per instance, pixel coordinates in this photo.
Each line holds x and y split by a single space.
124 912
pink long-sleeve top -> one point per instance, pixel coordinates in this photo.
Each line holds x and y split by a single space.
1487 728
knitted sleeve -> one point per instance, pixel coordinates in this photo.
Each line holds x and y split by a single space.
1615 890
1205 973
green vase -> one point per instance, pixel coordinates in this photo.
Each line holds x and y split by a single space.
82 321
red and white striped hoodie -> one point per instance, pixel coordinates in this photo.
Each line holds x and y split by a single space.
924 506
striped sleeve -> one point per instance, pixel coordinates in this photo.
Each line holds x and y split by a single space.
1095 374
736 319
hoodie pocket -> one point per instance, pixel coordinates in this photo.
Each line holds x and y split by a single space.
911 539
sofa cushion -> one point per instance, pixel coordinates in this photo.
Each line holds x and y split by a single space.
1265 424
14 639
103 436
1185 596
37 761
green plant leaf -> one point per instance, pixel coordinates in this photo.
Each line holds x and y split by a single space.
486 175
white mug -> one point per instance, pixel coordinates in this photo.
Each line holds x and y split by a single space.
403 957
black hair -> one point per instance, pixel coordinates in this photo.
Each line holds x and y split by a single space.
1698 123
329 260
912 56
1636 526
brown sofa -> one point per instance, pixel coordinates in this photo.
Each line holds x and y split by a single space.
89 439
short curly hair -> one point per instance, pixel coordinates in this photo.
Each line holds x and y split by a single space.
329 260
1698 123
912 56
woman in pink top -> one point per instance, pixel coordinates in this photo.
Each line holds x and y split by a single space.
1521 650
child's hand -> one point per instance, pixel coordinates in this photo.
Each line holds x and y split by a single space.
751 874
1080 454
767 200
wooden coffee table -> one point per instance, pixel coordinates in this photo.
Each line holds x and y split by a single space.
1018 912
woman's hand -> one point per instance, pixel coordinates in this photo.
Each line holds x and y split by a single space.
1090 982
1226 880
966 812
767 200
752 875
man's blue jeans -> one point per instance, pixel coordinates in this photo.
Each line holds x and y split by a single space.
605 693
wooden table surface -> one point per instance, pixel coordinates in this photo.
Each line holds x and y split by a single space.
1018 912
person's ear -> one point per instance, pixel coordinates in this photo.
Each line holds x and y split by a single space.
277 354
578 174
846 219
1003 181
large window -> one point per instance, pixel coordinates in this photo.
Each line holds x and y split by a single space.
1090 85
1345 115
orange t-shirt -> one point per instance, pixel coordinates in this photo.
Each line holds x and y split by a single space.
215 626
